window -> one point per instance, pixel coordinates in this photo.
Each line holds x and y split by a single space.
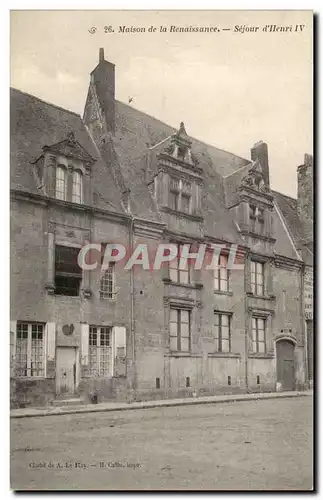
252 212
257 278
186 197
181 152
180 195
261 215
256 215
221 275
258 335
68 274
77 187
107 282
179 275
180 338
186 201
222 333
100 351
174 194
261 220
61 183
30 350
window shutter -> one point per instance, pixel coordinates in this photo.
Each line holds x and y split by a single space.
51 340
85 329
120 340
269 285
120 336
13 328
119 358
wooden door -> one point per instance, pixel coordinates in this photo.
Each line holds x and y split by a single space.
65 370
285 364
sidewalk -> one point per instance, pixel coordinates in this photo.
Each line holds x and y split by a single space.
108 406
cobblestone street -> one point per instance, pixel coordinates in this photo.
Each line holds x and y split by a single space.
251 445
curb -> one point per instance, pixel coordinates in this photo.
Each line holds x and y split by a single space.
155 404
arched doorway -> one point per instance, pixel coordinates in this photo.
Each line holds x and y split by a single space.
285 364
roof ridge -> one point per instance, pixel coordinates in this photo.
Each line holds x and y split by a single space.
46 102
175 129
238 169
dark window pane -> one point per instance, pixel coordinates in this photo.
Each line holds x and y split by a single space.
66 285
66 260
173 200
185 203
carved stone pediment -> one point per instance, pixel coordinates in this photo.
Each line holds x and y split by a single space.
70 147
179 147
255 179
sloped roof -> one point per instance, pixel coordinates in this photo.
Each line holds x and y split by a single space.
140 131
35 123
288 208
284 244
232 182
136 132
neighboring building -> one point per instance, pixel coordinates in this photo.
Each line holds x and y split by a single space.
298 217
121 176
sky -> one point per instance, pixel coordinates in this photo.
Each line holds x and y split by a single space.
230 88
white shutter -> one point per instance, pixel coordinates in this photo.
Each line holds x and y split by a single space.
85 329
50 330
13 329
120 338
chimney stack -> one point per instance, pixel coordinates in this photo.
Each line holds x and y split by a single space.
305 188
103 82
260 152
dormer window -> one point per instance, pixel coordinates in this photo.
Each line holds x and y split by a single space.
181 153
261 215
67 171
77 195
61 183
256 216
180 195
252 212
174 194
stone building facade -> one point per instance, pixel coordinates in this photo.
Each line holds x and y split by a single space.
119 176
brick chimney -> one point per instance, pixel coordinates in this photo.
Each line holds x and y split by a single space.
260 152
305 188
103 79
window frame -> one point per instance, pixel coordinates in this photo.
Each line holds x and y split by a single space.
61 168
178 335
255 285
256 342
65 274
174 268
29 351
257 215
222 275
252 212
180 188
111 274
99 353
218 331
77 198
